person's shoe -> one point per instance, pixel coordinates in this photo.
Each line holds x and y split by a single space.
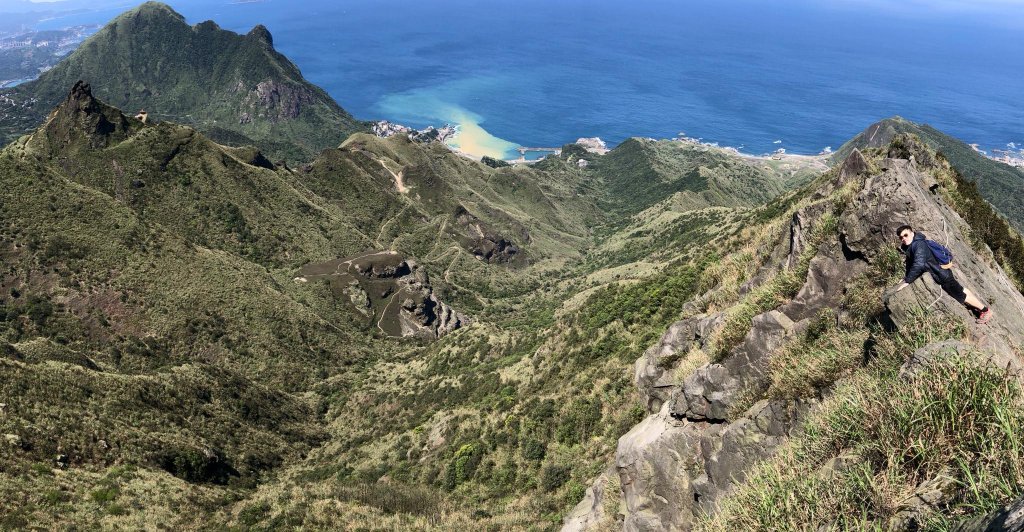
984 317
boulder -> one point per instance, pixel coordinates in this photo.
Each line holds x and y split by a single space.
657 461
652 370
590 512
709 393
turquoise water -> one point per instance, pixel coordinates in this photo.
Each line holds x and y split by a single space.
743 74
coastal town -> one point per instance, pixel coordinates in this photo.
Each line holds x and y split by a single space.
1013 155
25 55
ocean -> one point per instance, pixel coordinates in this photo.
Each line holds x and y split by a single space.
752 75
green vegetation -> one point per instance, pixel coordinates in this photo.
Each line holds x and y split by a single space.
237 88
955 423
162 347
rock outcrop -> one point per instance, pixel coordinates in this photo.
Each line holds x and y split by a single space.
482 241
392 291
1010 518
650 375
701 439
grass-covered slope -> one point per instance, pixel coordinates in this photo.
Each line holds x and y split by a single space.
158 352
999 183
236 88
642 172
145 263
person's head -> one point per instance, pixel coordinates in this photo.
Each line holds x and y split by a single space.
906 234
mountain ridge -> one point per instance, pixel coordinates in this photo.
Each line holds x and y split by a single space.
235 87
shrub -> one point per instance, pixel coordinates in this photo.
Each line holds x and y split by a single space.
553 476
579 421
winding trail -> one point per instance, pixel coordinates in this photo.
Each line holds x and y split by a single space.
383 226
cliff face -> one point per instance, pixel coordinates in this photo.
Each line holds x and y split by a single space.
708 429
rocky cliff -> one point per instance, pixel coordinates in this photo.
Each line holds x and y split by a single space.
709 428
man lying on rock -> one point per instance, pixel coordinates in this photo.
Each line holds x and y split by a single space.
921 258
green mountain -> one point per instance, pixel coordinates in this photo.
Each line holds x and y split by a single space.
235 88
395 337
998 182
258 311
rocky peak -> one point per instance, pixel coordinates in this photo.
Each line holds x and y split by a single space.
83 121
700 440
394 293
261 34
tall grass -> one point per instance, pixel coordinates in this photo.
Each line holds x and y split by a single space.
879 436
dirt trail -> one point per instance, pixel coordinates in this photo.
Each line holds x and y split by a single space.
399 177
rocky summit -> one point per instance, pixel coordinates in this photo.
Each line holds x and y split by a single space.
385 335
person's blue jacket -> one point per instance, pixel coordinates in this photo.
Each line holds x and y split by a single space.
921 259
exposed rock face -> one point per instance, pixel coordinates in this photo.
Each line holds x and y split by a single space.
274 100
674 470
682 460
593 144
1008 519
590 512
391 291
483 242
650 369
84 118
896 196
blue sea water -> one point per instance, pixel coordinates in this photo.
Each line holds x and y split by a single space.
745 74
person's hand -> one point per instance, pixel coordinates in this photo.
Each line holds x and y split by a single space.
889 293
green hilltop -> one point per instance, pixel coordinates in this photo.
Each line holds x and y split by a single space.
235 88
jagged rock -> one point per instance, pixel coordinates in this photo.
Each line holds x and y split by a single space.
83 118
710 392
651 370
743 443
683 460
656 462
13 440
1009 518
898 195
403 301
827 276
483 242
800 230
589 513
593 144
672 471
854 167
